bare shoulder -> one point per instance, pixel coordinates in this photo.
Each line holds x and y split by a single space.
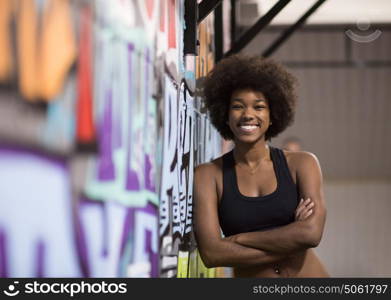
301 159
300 156
207 179
210 169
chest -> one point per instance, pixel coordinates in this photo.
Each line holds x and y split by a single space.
263 200
260 183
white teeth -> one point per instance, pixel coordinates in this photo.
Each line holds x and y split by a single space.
248 127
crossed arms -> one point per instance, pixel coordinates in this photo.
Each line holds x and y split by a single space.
258 248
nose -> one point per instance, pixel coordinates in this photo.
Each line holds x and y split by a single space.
247 114
246 118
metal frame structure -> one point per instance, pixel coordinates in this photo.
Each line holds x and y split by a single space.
206 7
218 32
256 28
287 33
195 13
190 33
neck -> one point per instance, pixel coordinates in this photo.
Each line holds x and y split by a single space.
251 154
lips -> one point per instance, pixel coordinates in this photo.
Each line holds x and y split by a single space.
248 128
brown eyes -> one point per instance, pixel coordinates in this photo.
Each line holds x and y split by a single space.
258 107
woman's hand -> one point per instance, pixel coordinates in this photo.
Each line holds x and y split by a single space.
304 209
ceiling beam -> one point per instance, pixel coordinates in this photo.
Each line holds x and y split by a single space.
288 32
257 27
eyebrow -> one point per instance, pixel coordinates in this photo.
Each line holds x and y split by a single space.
258 100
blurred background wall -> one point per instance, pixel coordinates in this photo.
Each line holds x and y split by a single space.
99 135
102 123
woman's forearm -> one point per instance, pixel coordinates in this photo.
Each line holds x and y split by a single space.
230 254
287 239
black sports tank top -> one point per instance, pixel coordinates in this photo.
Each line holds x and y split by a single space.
239 213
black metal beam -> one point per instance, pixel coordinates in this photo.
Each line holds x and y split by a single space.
329 27
288 32
257 27
218 32
190 33
206 7
233 22
337 64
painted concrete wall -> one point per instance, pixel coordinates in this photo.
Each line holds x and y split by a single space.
97 159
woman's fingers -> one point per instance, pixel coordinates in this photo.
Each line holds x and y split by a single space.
301 206
307 214
304 210
307 211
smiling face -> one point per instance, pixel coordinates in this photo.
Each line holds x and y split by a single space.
249 116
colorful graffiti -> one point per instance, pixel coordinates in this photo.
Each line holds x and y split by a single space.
36 216
110 163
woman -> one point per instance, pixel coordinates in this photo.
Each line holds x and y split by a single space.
252 193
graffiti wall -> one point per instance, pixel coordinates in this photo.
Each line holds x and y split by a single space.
98 143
